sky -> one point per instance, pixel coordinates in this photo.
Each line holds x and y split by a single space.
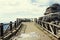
12 9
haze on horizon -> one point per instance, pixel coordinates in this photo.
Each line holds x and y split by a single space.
12 9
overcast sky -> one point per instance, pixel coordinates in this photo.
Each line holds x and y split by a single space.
12 9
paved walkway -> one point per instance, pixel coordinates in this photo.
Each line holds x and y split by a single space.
31 32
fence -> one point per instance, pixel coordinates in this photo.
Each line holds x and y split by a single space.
51 28
11 30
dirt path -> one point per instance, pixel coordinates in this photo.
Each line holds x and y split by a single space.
31 32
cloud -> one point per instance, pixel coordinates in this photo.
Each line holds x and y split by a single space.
41 2
11 9
56 1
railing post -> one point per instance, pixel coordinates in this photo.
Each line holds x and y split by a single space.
44 25
51 27
1 26
15 24
19 21
35 19
10 26
48 26
39 22
55 30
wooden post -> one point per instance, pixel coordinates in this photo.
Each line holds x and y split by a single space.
44 25
35 19
1 26
48 26
55 30
15 24
19 21
10 26
39 22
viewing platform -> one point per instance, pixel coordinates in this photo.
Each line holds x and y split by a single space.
32 31
29 30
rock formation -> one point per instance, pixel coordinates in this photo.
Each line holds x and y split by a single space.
52 9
